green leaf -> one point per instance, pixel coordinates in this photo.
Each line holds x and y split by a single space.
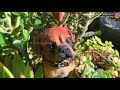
39 72
17 22
21 21
108 74
30 30
8 63
103 76
16 13
17 30
116 53
1 39
86 71
81 68
8 17
100 73
97 73
1 72
5 72
18 66
26 35
108 44
18 44
28 72
2 31
83 58
25 14
91 65
99 41
37 22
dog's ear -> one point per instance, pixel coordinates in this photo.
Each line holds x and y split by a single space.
36 45
73 39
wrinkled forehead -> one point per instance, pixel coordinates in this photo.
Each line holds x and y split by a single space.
58 36
58 33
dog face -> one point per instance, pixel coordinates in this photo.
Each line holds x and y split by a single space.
55 45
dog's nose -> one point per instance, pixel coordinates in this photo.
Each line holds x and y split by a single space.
64 52
64 49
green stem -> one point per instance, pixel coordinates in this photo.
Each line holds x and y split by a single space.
25 52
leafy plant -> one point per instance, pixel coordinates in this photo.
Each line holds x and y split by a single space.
15 42
96 59
17 30
18 69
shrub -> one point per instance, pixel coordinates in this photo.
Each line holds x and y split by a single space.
17 30
96 59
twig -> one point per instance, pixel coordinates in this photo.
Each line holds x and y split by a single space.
101 55
64 21
88 22
94 57
95 52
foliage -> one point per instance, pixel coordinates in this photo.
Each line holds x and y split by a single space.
96 59
17 30
15 42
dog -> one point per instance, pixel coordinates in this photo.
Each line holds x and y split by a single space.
55 46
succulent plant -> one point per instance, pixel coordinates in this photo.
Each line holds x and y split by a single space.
96 59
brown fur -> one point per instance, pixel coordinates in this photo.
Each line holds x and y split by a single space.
57 35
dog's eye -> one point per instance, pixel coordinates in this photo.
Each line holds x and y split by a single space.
69 40
50 46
